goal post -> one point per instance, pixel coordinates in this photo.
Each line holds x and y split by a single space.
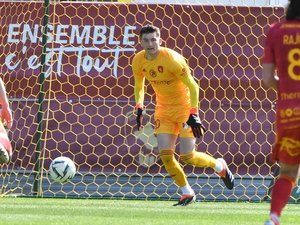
88 99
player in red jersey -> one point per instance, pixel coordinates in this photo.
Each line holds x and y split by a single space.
5 119
282 52
177 96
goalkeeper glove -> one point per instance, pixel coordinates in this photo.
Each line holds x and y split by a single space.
139 117
195 123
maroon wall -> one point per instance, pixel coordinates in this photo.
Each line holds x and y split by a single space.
85 117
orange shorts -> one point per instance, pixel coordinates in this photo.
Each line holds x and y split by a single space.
172 120
287 146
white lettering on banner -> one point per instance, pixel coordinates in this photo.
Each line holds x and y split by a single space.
61 34
80 37
66 35
13 33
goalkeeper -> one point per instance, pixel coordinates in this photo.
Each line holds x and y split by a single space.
177 95
6 118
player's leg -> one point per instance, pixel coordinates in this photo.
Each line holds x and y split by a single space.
286 152
167 132
166 146
282 190
200 159
5 146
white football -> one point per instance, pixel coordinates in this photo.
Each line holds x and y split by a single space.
62 169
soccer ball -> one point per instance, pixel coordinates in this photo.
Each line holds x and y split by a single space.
62 169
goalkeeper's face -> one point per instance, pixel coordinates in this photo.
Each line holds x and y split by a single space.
151 42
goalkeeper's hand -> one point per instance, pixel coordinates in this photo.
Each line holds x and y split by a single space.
195 123
139 118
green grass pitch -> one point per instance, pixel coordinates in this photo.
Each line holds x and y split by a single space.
45 211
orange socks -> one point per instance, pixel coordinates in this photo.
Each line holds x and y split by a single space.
173 167
199 159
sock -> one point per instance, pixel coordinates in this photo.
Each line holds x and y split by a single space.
199 159
219 166
281 192
173 167
187 189
275 218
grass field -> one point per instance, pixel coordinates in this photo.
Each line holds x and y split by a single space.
38 211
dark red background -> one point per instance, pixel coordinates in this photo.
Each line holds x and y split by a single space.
223 46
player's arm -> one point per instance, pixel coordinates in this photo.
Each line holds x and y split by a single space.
139 92
268 62
192 85
194 121
268 75
6 115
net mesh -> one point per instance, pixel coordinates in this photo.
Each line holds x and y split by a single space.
80 103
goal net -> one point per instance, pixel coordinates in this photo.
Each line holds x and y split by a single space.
67 70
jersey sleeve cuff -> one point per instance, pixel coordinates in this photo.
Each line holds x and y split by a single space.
194 111
139 106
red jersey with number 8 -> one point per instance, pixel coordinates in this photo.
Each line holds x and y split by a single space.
282 48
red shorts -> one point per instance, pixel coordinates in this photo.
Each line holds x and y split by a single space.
287 146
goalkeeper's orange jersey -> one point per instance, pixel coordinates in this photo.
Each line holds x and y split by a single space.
170 77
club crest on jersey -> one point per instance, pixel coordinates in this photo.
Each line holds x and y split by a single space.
183 72
160 69
152 73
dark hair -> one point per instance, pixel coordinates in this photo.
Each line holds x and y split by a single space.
293 10
148 29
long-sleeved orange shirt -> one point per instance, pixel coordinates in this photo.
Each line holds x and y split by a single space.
170 77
